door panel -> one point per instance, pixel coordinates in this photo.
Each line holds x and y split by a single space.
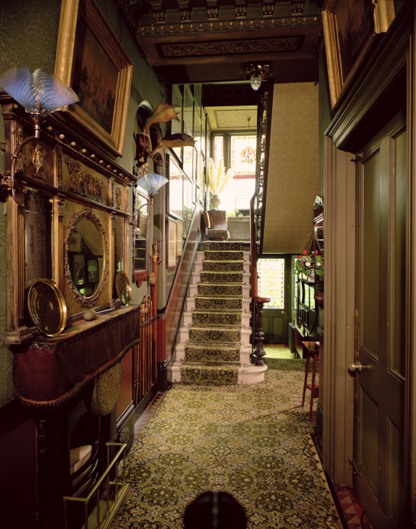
379 442
274 283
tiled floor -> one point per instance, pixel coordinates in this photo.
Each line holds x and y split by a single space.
354 515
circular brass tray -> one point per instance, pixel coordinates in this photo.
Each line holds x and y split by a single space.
123 288
47 307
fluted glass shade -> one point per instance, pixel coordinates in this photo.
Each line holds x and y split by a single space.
152 182
38 93
256 80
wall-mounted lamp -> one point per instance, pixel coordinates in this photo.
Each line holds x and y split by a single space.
256 74
40 94
152 183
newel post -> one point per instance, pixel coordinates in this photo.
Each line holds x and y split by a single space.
258 351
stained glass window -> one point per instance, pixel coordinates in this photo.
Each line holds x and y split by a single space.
243 154
272 282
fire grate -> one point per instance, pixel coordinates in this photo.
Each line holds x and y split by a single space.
102 502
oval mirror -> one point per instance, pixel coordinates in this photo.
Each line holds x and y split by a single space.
86 257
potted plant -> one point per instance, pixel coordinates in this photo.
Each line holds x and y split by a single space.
217 180
310 265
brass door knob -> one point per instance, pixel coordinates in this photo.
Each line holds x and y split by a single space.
356 368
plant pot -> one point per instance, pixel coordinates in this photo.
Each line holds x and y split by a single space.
215 201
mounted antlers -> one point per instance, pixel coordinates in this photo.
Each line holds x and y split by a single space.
144 143
163 114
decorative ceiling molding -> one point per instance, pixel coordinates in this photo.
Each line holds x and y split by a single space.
204 41
227 25
233 47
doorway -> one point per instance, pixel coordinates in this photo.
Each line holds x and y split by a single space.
275 284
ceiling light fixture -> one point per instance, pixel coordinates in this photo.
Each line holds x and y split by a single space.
256 74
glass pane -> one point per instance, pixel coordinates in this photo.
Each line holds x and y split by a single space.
218 149
243 154
271 285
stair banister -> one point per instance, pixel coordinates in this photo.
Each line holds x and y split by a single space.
257 301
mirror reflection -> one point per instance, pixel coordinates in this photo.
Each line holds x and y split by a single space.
85 256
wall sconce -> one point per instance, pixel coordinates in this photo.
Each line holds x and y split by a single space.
40 94
152 183
256 74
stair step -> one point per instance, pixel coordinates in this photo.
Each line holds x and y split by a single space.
216 318
214 303
221 277
219 334
212 362
223 290
209 375
208 352
223 246
230 255
223 266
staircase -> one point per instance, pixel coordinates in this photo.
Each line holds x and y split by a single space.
214 347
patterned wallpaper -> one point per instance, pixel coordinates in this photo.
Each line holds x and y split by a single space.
28 34
293 172
27 38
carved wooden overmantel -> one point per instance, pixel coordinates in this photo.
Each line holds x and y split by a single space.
69 221
51 185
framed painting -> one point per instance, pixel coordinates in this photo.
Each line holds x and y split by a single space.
350 28
90 60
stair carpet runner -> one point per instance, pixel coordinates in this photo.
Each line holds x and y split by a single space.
214 339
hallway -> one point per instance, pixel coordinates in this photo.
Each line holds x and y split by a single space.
252 441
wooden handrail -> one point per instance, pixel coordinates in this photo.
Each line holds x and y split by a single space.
253 250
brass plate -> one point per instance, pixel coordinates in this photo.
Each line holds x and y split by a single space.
47 307
123 288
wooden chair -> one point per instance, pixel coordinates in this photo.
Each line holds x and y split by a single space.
215 224
310 351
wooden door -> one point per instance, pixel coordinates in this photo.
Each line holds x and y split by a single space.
275 283
382 332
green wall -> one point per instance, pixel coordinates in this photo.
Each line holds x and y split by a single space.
28 36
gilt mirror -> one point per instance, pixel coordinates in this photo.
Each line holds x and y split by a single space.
86 257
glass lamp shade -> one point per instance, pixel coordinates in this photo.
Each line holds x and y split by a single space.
38 93
152 182
255 80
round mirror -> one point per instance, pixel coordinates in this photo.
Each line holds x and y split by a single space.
86 252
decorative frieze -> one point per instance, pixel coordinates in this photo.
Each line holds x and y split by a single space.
234 47
84 183
228 25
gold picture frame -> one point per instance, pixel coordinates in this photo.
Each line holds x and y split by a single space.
350 28
90 59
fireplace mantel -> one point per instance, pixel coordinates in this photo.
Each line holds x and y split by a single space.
51 371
